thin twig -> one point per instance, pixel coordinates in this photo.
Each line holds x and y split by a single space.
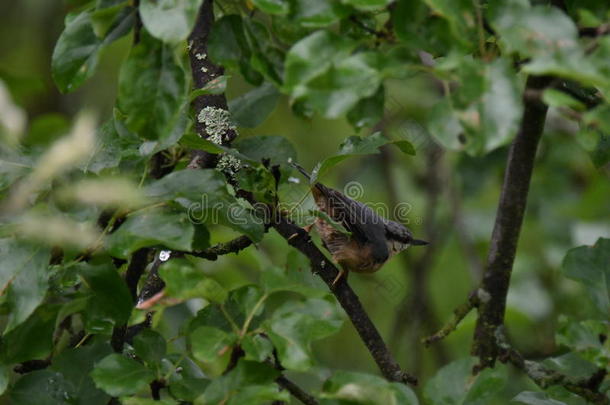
458 315
220 249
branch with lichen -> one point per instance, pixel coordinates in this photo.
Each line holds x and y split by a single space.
458 315
213 121
220 249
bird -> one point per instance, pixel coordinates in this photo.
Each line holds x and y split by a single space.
370 241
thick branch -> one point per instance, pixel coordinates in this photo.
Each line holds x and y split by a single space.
327 271
509 218
204 71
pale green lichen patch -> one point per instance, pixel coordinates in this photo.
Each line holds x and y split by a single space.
229 163
217 123
200 56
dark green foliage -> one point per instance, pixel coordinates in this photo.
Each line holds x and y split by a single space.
99 205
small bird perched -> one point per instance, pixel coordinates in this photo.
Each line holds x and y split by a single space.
371 240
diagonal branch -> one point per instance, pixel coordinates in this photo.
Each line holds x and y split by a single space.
296 391
350 302
507 227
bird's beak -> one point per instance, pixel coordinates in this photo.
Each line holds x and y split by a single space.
417 242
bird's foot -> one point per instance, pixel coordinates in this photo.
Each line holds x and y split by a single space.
306 228
341 275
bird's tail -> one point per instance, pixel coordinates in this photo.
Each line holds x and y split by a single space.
300 169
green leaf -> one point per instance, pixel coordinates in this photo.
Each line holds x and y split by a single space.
267 58
76 53
405 147
278 7
367 5
354 146
369 111
317 13
209 343
252 108
557 98
183 281
590 265
105 14
33 339
150 346
187 381
206 196
4 377
338 89
366 389
170 21
218 85
118 375
574 365
275 279
295 325
461 17
212 316
152 90
585 338
536 398
445 127
455 385
313 55
42 387
227 44
151 228
257 347
550 38
24 278
501 107
275 148
75 365
194 141
599 117
110 303
247 383
148 401
111 148
259 181
485 112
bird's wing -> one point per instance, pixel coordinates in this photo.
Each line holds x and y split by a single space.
364 224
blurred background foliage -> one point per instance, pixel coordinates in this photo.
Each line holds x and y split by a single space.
451 195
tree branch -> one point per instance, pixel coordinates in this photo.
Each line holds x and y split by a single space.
458 315
204 71
233 246
296 391
509 218
327 271
545 377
